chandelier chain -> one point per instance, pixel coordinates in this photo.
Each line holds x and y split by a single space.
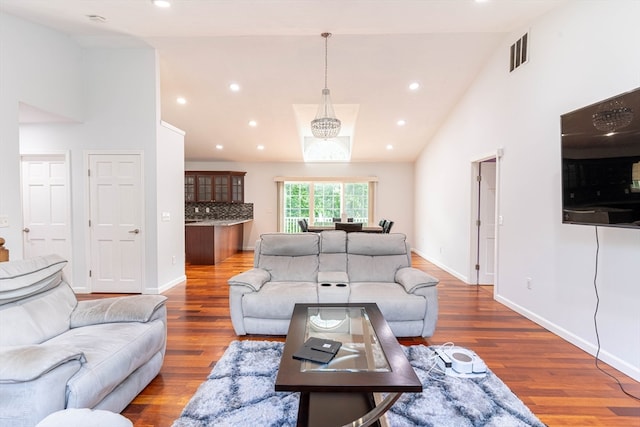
326 62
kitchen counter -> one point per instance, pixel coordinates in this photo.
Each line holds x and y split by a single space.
211 241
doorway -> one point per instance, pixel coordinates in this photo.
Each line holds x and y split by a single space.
116 206
46 207
484 246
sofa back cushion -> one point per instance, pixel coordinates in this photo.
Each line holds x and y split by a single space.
35 301
376 257
289 257
333 250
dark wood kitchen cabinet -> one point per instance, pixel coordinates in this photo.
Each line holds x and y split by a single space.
211 244
214 186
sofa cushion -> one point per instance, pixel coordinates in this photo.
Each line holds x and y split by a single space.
333 246
289 244
276 299
394 302
290 268
112 351
289 257
366 268
38 318
333 241
376 244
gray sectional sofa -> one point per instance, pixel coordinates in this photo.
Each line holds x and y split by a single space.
57 352
332 267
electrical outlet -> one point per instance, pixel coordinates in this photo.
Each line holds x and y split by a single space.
173 260
4 220
196 209
206 210
529 283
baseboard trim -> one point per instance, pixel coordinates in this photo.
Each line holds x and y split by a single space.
438 264
586 346
166 286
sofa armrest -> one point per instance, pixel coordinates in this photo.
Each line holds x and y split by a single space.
133 308
254 278
29 362
412 278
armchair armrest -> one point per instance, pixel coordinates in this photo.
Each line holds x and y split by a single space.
254 278
134 308
29 362
412 279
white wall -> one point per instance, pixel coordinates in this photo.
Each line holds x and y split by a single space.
170 176
394 193
579 54
39 67
113 94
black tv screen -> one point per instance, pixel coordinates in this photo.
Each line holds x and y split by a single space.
601 163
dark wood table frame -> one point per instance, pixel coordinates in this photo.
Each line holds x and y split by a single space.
365 228
344 397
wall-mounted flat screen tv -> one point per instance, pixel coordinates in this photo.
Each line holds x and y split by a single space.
601 163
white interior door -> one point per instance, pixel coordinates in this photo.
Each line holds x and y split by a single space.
116 212
487 230
46 209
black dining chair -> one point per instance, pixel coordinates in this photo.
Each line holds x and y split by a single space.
337 219
387 227
304 225
349 226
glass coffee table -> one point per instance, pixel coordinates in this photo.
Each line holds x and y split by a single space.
345 391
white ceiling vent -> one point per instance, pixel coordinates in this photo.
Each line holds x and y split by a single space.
519 52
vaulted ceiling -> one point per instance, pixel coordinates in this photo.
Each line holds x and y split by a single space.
273 50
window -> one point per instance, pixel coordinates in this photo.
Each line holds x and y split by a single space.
320 201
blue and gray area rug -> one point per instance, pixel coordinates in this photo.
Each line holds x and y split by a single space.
240 392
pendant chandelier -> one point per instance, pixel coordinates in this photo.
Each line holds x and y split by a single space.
325 125
612 116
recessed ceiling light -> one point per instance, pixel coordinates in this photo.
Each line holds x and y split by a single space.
181 100
414 86
161 3
97 18
389 147
253 123
219 147
260 147
234 87
401 122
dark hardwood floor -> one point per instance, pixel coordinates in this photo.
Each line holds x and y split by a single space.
558 381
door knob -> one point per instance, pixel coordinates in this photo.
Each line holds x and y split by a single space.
136 231
26 229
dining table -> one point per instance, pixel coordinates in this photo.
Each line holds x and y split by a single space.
365 228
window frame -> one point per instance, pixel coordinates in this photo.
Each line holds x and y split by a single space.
311 181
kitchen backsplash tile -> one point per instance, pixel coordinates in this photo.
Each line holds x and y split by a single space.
198 210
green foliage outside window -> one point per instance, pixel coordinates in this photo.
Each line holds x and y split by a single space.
329 200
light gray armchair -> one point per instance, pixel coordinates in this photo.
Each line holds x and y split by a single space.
58 353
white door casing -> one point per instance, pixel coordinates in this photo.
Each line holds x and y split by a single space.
46 207
116 205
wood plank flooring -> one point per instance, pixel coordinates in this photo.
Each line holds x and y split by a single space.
558 381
